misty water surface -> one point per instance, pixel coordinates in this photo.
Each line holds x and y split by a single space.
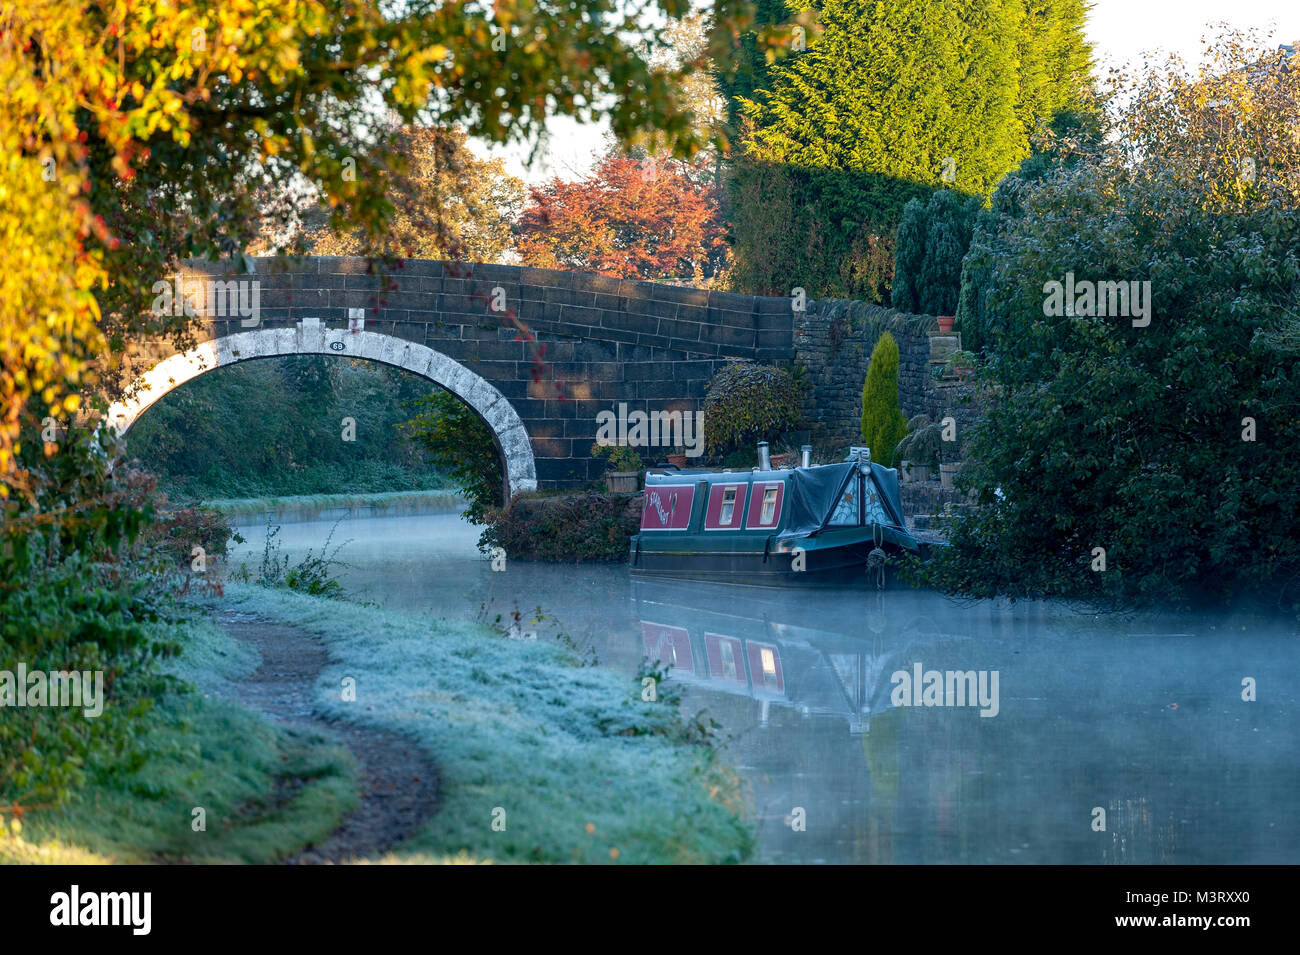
1142 717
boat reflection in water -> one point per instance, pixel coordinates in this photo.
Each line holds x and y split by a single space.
737 642
836 769
803 689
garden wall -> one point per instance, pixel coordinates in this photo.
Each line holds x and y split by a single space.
833 340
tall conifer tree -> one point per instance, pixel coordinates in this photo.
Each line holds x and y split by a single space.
894 99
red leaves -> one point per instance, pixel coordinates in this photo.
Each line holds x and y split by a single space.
632 219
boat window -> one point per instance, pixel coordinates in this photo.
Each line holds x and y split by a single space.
769 506
876 513
728 655
728 505
846 512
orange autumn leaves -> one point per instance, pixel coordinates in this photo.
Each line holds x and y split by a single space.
81 81
629 218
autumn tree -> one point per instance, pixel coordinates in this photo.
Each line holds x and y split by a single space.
630 218
447 203
136 135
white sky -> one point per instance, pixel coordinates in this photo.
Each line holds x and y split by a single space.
1120 30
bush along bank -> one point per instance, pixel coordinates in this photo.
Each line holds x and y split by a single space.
589 526
200 779
105 750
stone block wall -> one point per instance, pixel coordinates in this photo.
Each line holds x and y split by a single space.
604 341
833 340
600 341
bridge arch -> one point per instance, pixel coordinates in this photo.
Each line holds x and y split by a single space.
311 338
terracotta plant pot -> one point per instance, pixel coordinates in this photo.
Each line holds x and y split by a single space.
623 482
677 459
779 461
945 322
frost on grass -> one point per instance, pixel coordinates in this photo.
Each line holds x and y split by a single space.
580 764
212 658
266 791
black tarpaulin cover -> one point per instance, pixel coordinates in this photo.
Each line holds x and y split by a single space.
814 492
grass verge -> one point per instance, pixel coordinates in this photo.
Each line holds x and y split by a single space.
540 759
441 501
265 792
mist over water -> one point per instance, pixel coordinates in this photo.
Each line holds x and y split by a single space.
1140 716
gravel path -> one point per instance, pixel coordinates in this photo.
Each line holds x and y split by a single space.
399 783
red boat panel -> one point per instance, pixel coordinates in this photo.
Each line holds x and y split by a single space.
671 646
765 667
726 506
667 507
726 658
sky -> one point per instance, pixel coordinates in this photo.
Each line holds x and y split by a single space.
1120 31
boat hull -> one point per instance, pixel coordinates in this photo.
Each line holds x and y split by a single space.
829 566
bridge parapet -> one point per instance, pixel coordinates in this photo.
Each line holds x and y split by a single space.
606 341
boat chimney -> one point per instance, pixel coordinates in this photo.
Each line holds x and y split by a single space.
805 456
764 459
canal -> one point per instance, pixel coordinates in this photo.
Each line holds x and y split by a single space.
1038 734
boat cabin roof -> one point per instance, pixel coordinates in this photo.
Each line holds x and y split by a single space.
806 499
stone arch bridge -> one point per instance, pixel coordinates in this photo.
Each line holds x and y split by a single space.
607 342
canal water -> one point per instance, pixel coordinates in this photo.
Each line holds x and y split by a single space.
1036 734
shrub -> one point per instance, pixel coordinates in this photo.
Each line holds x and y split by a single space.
933 239
923 442
460 441
312 575
1135 440
909 254
792 226
75 595
748 402
167 547
595 527
618 457
883 424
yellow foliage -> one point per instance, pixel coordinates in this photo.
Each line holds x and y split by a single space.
62 68
91 90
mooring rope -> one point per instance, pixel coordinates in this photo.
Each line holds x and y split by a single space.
876 562
876 559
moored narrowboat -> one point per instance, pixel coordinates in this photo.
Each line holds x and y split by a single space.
828 523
